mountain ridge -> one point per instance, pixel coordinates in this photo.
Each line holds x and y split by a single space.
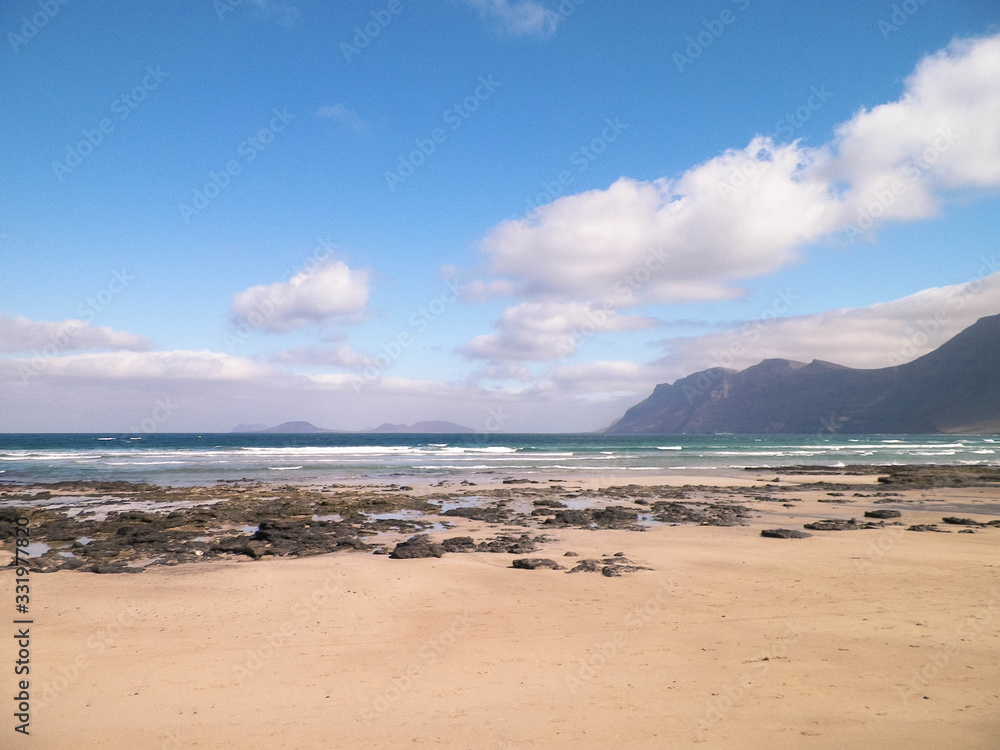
951 390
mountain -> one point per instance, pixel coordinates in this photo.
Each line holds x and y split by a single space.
296 427
954 389
423 427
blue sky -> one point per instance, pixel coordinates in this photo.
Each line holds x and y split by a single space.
273 298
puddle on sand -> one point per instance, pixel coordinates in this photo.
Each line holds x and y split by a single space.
330 517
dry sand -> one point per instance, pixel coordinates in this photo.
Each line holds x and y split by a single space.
858 639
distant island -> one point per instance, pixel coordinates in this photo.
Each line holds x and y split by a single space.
953 390
305 428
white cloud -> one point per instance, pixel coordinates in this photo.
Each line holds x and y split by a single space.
341 356
19 334
518 18
544 331
344 115
748 212
330 290
126 367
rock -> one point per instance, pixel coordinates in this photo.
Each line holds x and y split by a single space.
533 563
491 514
966 531
416 547
704 514
571 554
548 503
955 521
927 527
615 517
785 534
882 513
515 545
836 524
612 567
459 544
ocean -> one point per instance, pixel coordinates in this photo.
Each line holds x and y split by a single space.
190 459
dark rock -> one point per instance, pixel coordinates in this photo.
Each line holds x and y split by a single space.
533 563
571 554
548 503
785 534
489 514
416 547
882 513
459 544
832 524
704 514
927 527
955 521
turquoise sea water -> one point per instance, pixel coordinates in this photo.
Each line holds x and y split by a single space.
180 459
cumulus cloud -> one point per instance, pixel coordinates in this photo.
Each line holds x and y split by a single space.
544 331
19 334
344 115
331 290
518 18
341 356
748 212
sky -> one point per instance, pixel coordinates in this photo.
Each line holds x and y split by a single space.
516 215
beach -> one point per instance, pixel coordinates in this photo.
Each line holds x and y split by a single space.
865 637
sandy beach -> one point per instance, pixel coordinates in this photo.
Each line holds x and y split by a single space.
878 637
